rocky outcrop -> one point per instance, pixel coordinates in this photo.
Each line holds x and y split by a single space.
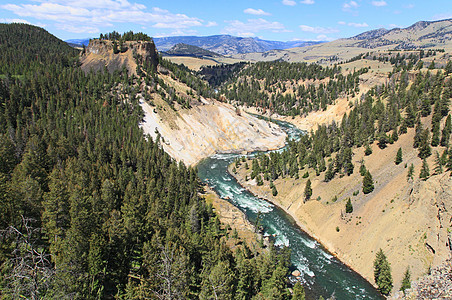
194 134
99 54
436 285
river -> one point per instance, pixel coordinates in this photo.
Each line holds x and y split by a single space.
322 273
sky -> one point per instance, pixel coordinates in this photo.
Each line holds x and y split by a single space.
280 20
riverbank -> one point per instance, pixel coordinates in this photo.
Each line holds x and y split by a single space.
240 228
252 188
409 220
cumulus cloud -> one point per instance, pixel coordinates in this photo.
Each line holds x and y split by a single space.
89 16
442 16
357 25
349 6
257 12
289 2
3 20
252 26
211 24
379 3
307 2
318 30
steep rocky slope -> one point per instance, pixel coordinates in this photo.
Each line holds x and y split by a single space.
187 134
409 220
99 54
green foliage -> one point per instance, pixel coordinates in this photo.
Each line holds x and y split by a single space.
348 206
425 170
307 190
368 150
126 36
368 183
382 273
410 173
107 211
399 157
298 292
362 170
406 281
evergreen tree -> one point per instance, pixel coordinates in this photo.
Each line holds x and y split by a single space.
307 190
406 281
382 273
298 292
362 169
348 206
399 157
425 171
424 146
447 130
368 150
368 183
410 173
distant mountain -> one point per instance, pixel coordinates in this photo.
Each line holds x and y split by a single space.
182 49
423 34
78 42
227 44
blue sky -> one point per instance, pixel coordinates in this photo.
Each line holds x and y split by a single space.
281 20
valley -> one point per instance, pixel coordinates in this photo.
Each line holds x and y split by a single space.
234 168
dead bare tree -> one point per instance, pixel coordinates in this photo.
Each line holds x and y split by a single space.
30 270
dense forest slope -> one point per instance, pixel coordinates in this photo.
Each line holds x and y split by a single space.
91 208
377 178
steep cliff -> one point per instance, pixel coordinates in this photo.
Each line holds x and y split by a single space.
101 53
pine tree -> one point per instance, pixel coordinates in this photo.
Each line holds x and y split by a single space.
410 173
425 171
368 183
298 292
368 150
399 157
382 273
348 207
447 130
362 170
406 281
307 190
424 146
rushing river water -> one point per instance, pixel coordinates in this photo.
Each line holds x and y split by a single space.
322 274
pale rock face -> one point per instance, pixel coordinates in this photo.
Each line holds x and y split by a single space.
211 128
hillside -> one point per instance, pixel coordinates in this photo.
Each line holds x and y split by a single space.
227 44
91 207
421 35
191 123
189 50
407 217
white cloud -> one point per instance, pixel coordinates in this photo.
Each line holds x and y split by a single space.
252 26
91 15
349 6
409 6
211 24
358 25
323 37
2 20
289 2
442 16
379 3
307 2
257 12
318 30
78 29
